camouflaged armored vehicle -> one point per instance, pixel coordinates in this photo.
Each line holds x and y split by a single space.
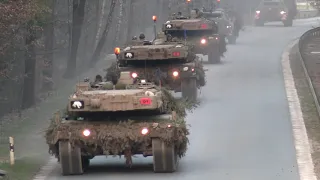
200 32
225 25
134 119
273 10
168 63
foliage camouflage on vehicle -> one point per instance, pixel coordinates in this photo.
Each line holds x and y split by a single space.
114 137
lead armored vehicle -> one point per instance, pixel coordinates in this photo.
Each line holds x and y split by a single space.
273 10
167 62
125 119
199 32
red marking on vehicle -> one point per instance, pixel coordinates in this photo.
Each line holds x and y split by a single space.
204 26
145 101
176 54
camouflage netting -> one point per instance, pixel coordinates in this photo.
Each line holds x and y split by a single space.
152 75
114 137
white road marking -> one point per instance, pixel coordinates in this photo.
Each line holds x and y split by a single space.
313 52
301 140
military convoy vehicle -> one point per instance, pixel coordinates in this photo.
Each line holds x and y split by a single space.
201 33
123 119
273 10
225 24
167 62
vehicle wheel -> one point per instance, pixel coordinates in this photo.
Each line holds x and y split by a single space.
165 158
258 22
288 23
70 159
189 89
232 39
214 56
85 163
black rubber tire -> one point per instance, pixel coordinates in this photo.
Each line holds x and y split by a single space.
232 39
165 158
189 89
70 159
288 23
214 56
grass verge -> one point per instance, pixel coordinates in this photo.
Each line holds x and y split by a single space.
24 169
31 150
308 108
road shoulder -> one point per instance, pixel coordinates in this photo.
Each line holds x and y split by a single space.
31 150
305 121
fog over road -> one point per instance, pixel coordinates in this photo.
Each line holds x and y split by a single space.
242 130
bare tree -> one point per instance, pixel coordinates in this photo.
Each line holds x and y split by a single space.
101 16
96 54
117 36
49 46
30 67
77 21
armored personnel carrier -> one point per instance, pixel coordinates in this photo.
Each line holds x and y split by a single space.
123 119
167 62
202 33
225 25
273 10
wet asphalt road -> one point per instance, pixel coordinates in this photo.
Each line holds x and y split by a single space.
242 129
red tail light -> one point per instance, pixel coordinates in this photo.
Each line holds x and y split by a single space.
203 26
176 54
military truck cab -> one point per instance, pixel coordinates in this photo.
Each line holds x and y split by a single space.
272 10
201 33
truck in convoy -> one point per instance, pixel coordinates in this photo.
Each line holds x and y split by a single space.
275 10
125 119
225 24
201 33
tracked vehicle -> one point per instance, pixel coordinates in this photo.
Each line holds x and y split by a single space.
117 120
201 33
166 63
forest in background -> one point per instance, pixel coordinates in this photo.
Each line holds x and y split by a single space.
43 42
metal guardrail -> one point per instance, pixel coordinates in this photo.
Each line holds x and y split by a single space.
309 50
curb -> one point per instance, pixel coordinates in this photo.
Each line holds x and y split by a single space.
300 136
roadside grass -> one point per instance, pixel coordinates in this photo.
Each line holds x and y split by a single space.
31 150
310 115
23 169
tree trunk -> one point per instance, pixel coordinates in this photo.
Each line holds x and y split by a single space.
118 31
77 21
30 67
49 46
101 17
130 21
96 54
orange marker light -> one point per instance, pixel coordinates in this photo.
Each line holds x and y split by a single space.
154 18
116 51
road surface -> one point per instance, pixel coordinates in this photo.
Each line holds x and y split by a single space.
242 130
